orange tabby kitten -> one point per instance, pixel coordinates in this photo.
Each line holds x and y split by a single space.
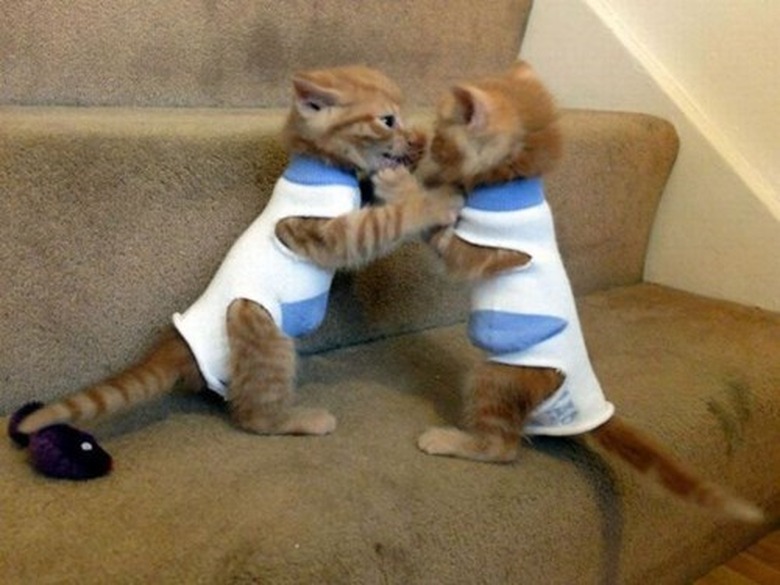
493 139
273 285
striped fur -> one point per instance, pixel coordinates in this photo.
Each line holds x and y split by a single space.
652 460
468 261
351 240
490 131
168 364
349 117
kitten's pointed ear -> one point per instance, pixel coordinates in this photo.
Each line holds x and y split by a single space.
472 105
312 96
521 70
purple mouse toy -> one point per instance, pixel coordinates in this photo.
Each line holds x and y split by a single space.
60 451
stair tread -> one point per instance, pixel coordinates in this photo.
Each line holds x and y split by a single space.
132 121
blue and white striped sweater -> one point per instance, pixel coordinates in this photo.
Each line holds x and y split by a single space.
527 316
260 268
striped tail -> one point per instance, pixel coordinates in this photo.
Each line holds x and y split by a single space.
647 457
169 362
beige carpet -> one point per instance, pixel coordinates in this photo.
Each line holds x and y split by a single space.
112 218
194 500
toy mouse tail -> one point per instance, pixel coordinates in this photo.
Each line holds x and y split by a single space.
21 439
648 458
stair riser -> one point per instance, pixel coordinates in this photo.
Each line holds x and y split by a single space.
110 221
193 53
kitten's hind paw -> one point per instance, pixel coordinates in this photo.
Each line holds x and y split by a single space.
295 421
310 421
456 443
442 441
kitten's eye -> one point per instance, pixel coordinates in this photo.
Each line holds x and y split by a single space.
313 105
86 446
388 121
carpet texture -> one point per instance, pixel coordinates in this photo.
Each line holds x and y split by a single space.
193 500
241 53
111 220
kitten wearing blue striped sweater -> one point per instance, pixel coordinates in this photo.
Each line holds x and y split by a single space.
494 140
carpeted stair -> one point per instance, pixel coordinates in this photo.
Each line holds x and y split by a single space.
137 140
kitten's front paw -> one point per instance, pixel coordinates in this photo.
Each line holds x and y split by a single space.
286 230
393 185
441 441
442 208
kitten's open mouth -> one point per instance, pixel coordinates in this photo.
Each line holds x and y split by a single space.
389 161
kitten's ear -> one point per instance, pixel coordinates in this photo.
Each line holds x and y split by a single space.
312 96
521 70
472 106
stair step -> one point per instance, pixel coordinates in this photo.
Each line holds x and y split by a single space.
112 219
231 54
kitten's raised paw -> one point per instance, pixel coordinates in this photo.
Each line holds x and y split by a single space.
443 208
392 185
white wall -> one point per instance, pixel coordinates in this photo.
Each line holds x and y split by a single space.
726 56
717 231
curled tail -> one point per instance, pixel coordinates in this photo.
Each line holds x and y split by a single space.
650 459
169 362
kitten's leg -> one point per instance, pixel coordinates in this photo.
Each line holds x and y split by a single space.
262 363
498 399
472 262
353 239
462 259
